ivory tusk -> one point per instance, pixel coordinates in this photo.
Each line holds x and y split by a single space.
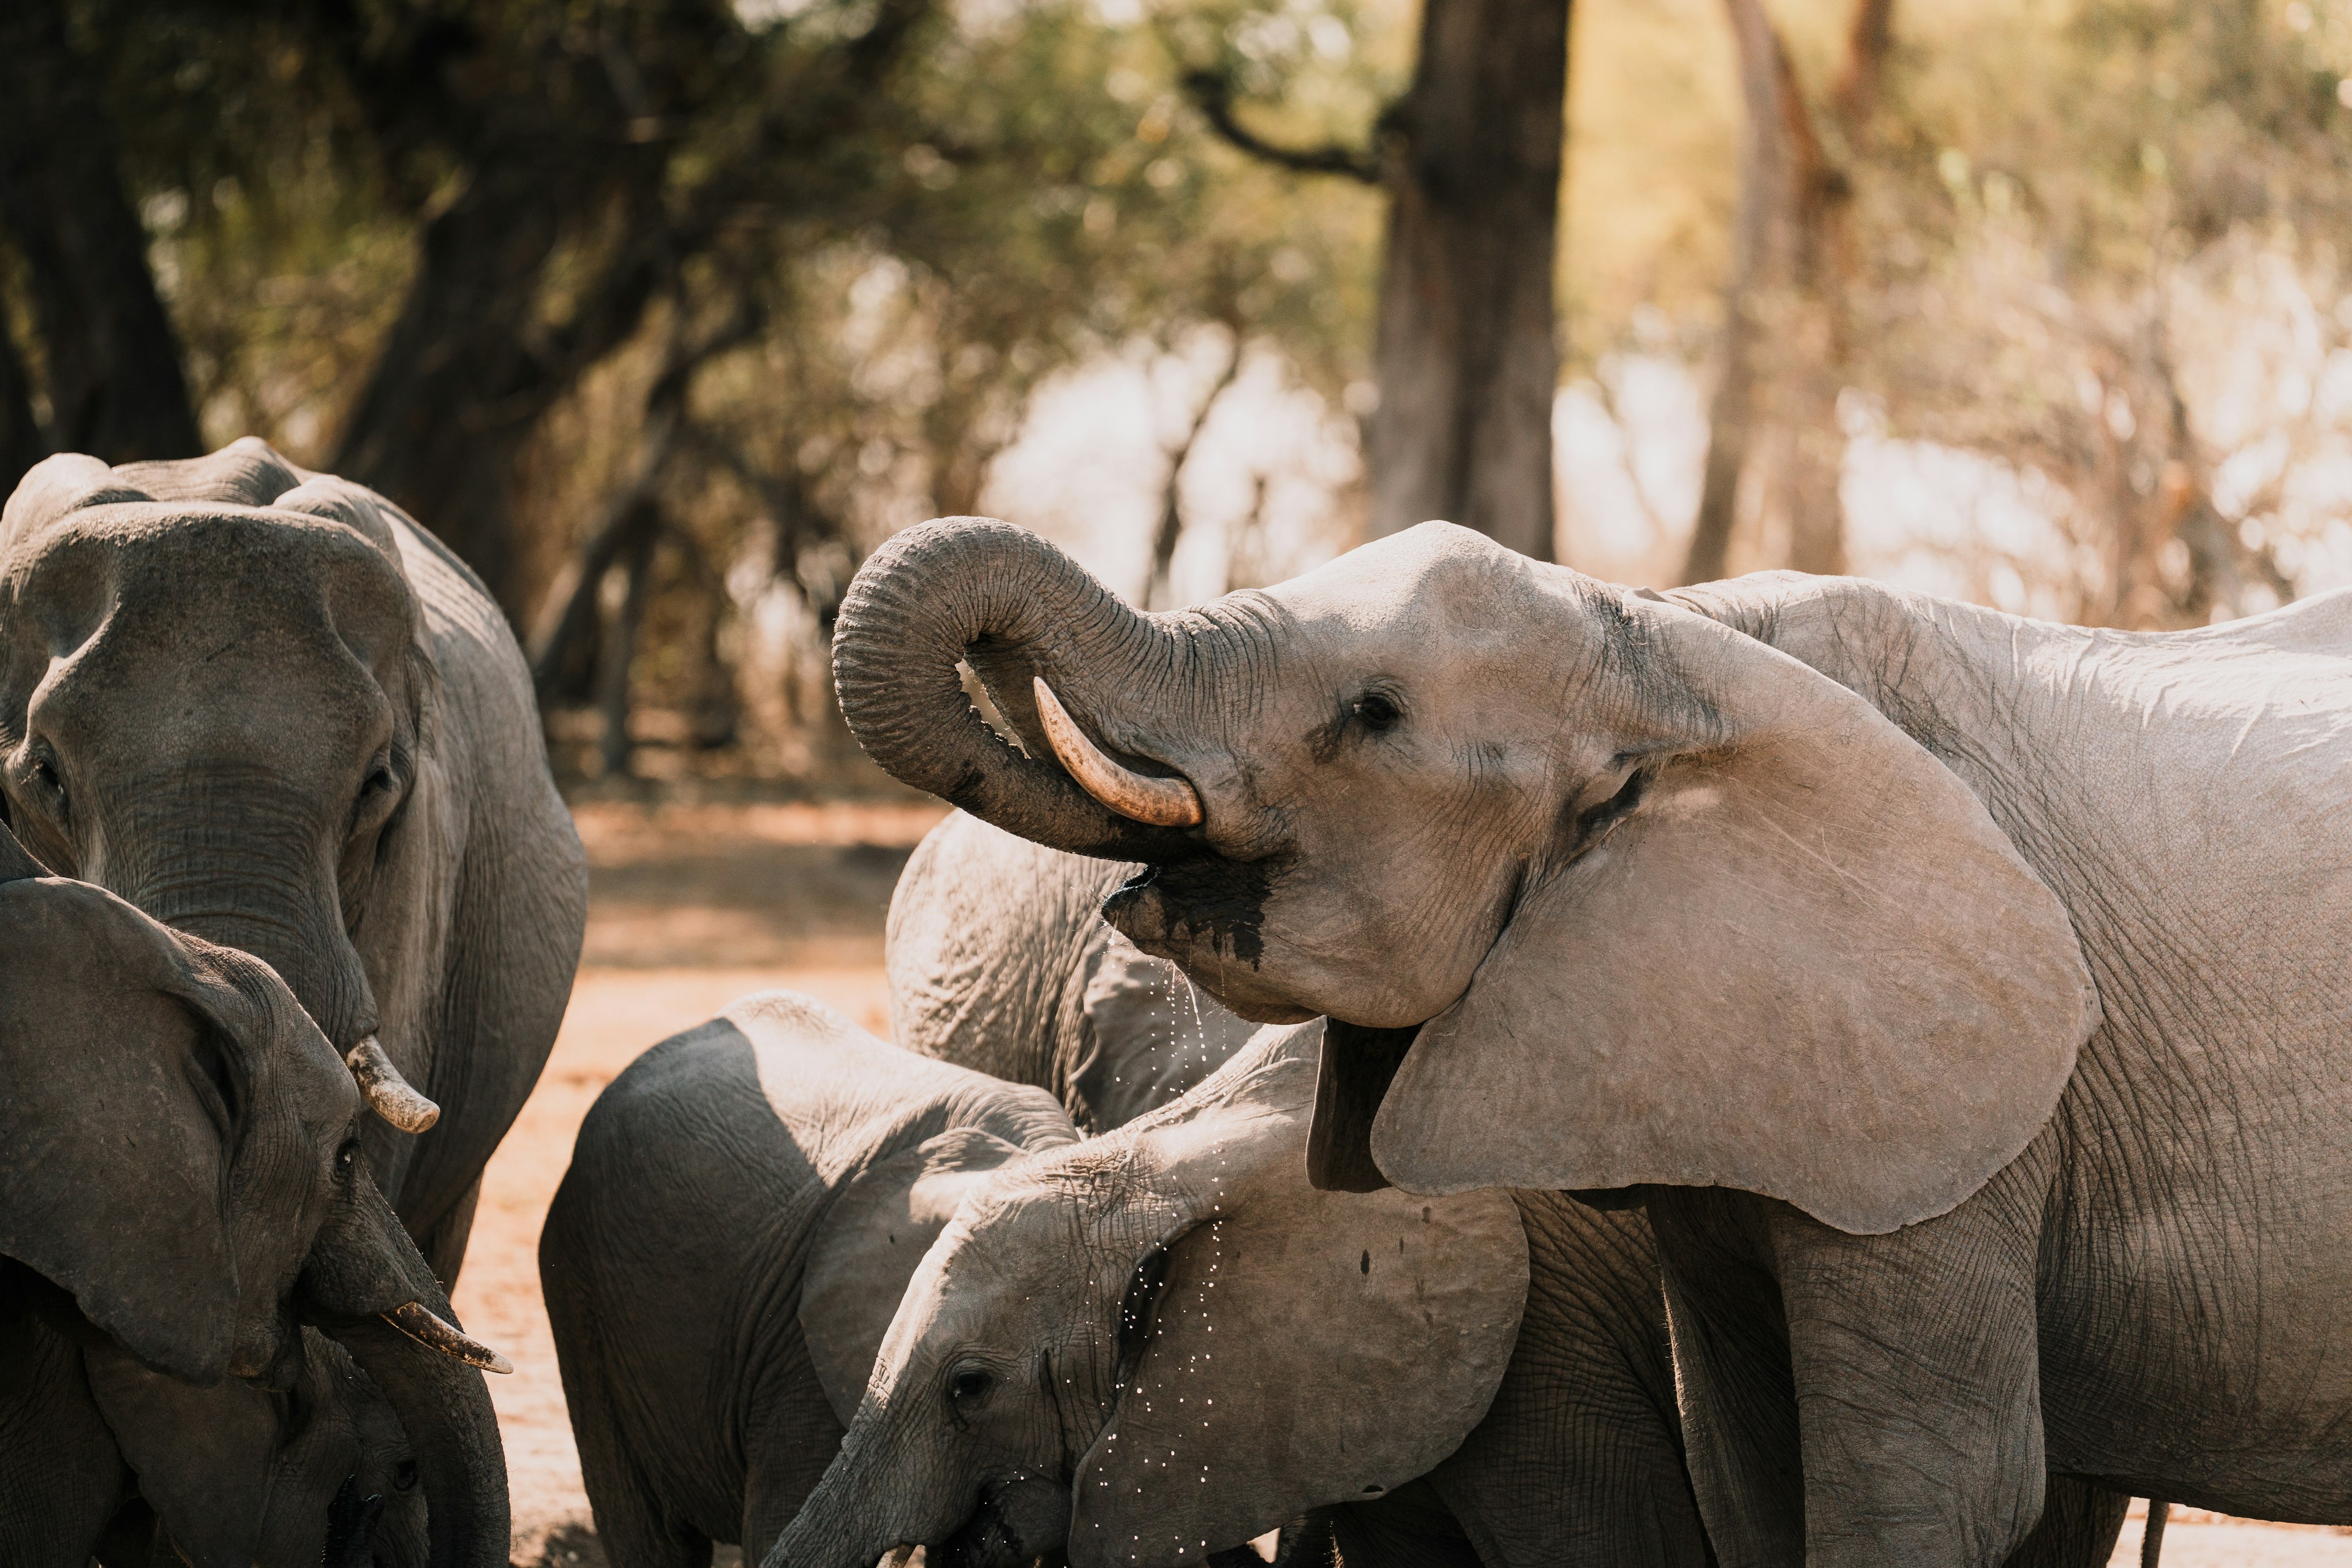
428 1328
1164 802
388 1094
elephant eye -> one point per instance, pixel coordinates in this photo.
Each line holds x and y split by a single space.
1376 711
970 1386
403 1476
347 1158
46 779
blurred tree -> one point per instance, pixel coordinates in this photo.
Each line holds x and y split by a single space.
111 359
1466 355
1772 425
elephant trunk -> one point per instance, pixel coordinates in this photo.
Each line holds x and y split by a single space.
445 1409
264 890
841 1524
365 1285
1016 608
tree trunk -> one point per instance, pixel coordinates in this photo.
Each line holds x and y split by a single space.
468 370
1467 362
21 442
116 389
619 645
1773 420
1170 528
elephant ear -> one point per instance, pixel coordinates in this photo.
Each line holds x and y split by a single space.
211 1494
1303 1348
121 1079
865 1249
1801 961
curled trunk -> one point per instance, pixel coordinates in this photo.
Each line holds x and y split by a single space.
1016 608
362 1267
445 1411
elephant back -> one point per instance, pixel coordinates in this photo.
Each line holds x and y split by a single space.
680 1241
998 959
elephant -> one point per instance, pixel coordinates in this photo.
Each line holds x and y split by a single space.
341 1487
744 1204
1590 1374
187 1228
1959 995
998 960
269 710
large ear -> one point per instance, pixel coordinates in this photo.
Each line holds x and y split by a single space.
1801 961
876 1230
117 1095
1304 1348
211 1491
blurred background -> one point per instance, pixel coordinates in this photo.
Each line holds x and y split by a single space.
664 312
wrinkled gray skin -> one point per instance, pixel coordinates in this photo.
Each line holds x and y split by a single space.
1581 1453
1962 995
743 1208
269 708
1078 1290
999 961
181 1181
343 1490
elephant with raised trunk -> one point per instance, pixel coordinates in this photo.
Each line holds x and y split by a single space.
181 1188
743 1208
998 959
1962 996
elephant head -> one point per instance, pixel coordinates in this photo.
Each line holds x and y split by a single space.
1163 1343
214 702
180 1171
1664 905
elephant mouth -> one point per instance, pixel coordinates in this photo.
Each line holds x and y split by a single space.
1198 907
1025 1524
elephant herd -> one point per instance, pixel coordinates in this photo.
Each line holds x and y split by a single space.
1444 1058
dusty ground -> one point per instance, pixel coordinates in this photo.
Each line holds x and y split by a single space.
693 907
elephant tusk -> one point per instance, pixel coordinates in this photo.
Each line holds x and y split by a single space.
428 1329
388 1094
1164 802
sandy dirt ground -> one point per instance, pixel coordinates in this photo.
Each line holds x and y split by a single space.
693 907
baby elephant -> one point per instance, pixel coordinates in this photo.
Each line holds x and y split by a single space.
1159 1343
998 959
1153 1346
743 1208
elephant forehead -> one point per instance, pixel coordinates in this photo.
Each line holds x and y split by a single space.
217 565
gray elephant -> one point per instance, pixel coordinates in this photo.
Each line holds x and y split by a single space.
269 710
998 959
339 1484
1962 996
1156 1345
744 1205
180 1186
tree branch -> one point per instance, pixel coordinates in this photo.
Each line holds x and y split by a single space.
1212 93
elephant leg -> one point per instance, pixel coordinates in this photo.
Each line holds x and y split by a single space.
442 1242
1731 1366
2079 1526
1916 1363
